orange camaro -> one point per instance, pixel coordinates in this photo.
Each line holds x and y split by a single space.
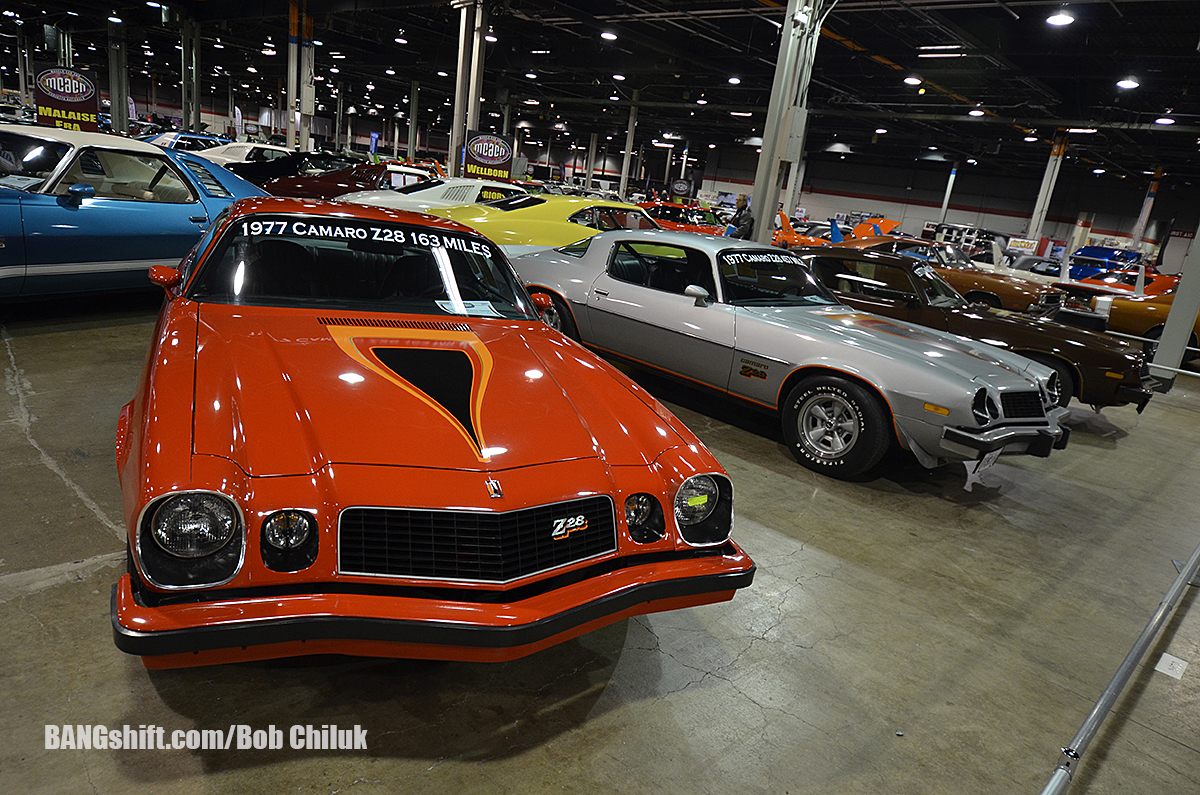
353 435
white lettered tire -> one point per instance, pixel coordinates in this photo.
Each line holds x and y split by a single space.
835 426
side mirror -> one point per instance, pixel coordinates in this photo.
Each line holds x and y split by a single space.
165 277
80 191
541 301
699 293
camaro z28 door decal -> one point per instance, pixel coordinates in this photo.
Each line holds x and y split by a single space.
446 369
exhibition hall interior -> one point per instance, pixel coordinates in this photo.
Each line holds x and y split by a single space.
498 396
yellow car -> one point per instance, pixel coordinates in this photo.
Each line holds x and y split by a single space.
521 224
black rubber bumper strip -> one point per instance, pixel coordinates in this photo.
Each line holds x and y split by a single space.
259 633
1040 443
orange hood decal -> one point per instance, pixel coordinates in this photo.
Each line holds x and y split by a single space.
445 366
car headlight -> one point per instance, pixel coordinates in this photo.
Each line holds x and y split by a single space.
1051 391
704 509
288 529
644 516
984 408
194 525
695 500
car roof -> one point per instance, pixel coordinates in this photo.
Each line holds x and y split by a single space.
710 243
77 138
287 205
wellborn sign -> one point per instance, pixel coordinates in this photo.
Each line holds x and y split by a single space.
487 156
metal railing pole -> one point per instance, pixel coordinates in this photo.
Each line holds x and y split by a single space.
1068 763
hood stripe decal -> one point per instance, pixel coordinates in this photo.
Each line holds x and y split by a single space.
428 325
360 344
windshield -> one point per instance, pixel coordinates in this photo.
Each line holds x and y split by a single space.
937 290
26 162
352 264
944 254
769 278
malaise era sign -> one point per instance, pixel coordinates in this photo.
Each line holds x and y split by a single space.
66 98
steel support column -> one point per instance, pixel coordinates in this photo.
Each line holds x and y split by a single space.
478 52
1139 229
591 159
795 185
1180 320
337 120
293 67
413 107
308 87
949 190
1042 205
624 186
118 77
66 54
468 10
787 116
189 39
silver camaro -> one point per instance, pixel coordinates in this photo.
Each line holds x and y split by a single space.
751 321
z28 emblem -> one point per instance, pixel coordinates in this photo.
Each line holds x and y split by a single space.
752 372
564 527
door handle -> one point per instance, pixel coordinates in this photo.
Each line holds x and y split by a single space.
199 219
601 292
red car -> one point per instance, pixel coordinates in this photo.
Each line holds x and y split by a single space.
353 435
368 176
679 218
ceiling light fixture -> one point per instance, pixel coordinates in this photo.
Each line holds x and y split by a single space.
618 77
531 75
1031 138
975 112
389 71
1128 83
442 74
712 146
880 130
614 97
940 54
1097 171
490 37
941 47
702 101
739 113
1082 130
735 81
114 18
912 81
401 40
1060 18
1164 120
608 35
972 161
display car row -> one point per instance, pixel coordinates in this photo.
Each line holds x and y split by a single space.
366 430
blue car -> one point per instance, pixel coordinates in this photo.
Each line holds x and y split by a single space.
1091 260
81 212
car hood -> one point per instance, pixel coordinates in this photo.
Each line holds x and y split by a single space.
389 198
285 392
1017 330
901 341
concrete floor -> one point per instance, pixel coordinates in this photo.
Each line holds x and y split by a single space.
903 635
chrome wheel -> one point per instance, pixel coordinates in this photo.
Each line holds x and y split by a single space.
552 318
828 425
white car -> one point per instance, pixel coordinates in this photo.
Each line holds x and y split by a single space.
435 193
244 152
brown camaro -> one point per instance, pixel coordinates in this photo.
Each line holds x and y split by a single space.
1098 369
975 284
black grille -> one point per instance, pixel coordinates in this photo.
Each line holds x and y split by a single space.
472 545
1019 405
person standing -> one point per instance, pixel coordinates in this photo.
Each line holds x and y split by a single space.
742 220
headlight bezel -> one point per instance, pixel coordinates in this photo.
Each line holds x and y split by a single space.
293 558
984 408
654 527
169 572
716 527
